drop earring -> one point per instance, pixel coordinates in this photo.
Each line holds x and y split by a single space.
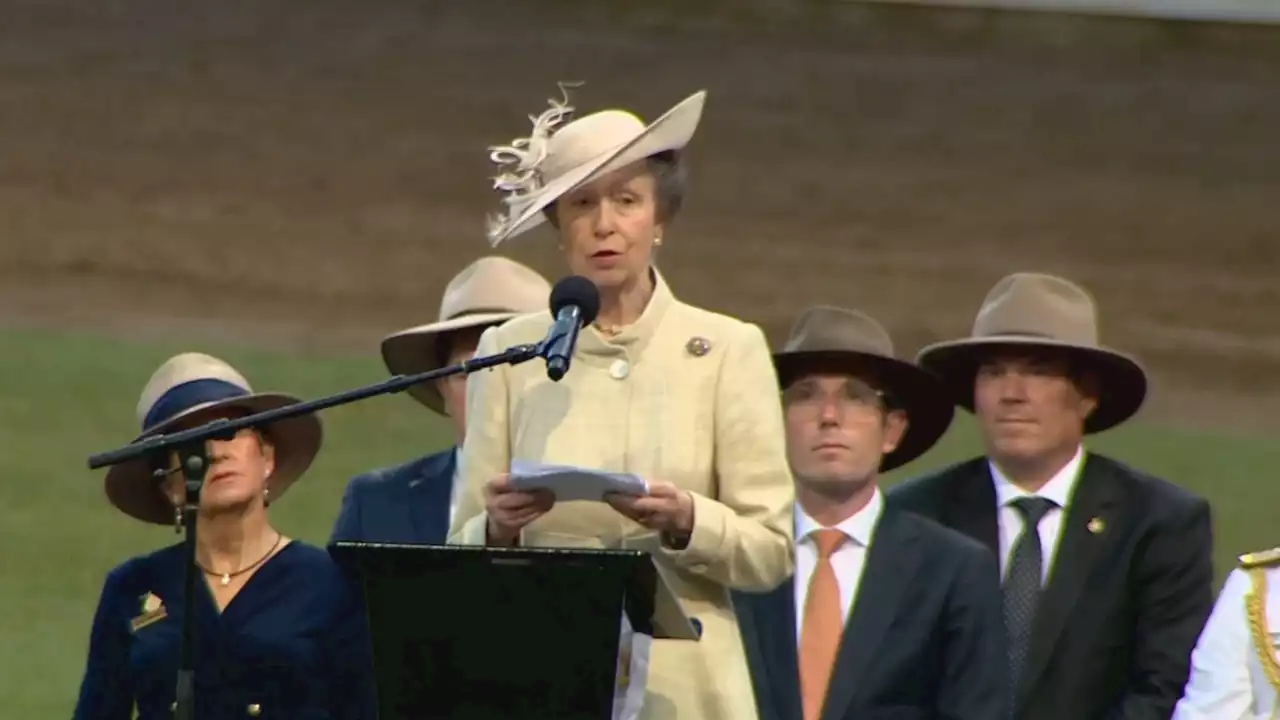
657 240
177 519
266 497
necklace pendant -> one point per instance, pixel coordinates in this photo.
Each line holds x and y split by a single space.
226 579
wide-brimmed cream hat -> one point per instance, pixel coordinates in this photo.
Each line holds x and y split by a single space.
559 156
834 339
1035 310
489 291
191 384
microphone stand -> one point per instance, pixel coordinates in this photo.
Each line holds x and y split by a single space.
194 456
191 446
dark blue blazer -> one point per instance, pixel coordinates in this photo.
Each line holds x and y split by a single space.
291 645
406 504
924 641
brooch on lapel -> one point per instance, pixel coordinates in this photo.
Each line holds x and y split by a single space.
1096 526
698 346
153 611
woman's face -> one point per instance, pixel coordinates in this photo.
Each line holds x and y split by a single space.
608 227
238 470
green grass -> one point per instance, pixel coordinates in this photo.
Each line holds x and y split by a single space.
68 396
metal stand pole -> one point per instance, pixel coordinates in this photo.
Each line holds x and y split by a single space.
194 457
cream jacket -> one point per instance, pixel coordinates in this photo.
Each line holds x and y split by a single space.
685 396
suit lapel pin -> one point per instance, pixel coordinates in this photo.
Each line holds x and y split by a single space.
1096 526
153 611
698 346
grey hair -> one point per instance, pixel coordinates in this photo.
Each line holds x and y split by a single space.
670 180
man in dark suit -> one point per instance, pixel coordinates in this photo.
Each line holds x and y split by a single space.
1108 576
414 502
889 615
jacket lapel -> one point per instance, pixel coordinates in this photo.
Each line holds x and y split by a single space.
773 618
971 507
1090 512
429 495
782 644
891 564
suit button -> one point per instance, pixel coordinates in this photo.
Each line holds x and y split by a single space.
254 710
619 370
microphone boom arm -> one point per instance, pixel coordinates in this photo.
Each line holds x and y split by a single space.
223 428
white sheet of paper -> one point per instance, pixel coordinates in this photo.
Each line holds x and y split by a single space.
574 483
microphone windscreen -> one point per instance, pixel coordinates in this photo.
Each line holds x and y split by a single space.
579 291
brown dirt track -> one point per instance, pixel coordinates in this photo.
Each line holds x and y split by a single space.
314 169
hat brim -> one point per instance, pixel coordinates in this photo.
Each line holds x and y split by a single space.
1122 379
414 350
132 488
915 391
672 131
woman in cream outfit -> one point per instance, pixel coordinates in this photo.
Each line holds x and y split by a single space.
681 396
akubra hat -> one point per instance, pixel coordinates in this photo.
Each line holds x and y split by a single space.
489 291
562 154
829 338
192 384
1026 311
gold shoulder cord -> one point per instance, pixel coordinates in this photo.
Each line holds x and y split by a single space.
1256 606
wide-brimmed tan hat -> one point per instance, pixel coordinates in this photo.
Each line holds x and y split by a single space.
1034 310
830 338
194 383
559 156
489 291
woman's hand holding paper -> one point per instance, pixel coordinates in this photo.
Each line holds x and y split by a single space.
510 510
666 508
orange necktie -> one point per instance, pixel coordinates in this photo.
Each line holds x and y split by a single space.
822 625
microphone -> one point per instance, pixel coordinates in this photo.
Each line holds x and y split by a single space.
575 301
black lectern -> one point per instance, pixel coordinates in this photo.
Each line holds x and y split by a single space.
476 633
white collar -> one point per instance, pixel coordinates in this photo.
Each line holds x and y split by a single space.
1058 489
859 527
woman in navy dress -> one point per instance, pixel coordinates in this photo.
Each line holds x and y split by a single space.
280 631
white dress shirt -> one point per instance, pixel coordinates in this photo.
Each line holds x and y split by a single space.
848 561
1227 679
1059 489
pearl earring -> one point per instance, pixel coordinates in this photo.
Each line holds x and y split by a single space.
657 240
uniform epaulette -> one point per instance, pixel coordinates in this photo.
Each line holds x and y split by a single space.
1261 558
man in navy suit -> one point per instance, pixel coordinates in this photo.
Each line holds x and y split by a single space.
889 615
414 502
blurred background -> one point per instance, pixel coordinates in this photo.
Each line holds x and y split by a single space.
282 182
